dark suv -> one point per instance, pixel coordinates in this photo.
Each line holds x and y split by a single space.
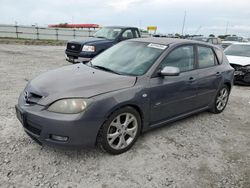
83 50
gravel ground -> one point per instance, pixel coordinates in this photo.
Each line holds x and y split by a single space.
205 150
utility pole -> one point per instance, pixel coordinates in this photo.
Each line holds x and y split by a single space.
183 25
226 28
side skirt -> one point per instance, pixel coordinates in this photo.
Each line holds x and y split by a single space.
173 119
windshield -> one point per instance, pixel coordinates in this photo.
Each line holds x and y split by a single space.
238 50
108 33
129 58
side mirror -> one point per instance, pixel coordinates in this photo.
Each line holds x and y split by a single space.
170 71
122 38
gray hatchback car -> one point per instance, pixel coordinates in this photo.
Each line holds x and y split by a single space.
130 88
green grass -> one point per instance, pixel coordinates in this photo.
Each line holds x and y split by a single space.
6 40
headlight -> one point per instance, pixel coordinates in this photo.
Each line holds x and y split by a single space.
87 48
69 106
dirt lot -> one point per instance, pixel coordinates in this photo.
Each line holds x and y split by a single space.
205 150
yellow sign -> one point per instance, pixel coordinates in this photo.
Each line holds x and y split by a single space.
152 28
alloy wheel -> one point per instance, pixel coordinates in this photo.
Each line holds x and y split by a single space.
222 98
122 131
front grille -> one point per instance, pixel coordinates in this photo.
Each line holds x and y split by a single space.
74 47
31 98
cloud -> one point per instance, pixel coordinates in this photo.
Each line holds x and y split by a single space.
122 5
210 15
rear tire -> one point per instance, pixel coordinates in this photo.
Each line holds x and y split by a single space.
121 130
220 101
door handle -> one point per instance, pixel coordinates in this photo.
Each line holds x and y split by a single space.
218 73
191 79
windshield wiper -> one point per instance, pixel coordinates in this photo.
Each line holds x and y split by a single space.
100 37
105 69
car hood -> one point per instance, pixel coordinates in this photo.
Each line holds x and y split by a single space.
76 81
238 60
89 40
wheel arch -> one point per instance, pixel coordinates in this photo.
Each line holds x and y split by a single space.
132 105
228 84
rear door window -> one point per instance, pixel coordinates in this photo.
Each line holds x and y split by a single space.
206 57
219 54
127 34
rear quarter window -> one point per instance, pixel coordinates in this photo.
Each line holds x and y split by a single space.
206 57
219 54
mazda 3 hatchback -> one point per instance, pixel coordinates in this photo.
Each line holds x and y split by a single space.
130 88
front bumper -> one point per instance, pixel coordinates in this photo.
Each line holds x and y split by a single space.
78 57
42 126
242 77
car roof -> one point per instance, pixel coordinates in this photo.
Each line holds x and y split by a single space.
167 41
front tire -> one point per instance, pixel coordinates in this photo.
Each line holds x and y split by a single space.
119 133
221 99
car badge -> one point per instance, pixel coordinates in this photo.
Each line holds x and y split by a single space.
26 96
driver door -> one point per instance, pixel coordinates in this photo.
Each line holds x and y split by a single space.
174 95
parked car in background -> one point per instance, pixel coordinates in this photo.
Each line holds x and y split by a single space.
231 40
225 44
83 50
234 38
159 35
130 88
238 55
212 40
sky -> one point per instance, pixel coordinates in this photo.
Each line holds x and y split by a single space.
202 16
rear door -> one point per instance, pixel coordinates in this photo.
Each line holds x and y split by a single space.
209 75
174 95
